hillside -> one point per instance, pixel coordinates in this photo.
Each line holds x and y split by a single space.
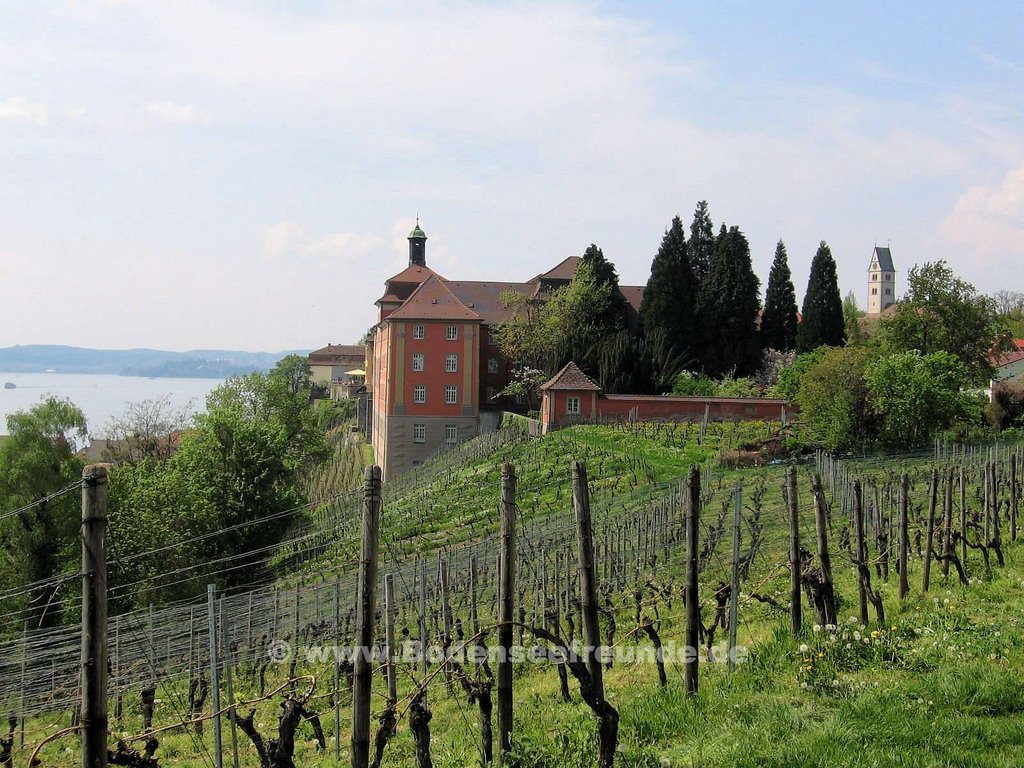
198 363
936 683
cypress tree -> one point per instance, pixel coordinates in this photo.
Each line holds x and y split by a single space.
729 305
702 243
822 322
778 325
668 303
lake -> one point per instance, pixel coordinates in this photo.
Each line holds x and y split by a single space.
101 397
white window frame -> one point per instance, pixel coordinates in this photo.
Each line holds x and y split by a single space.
451 434
452 333
572 406
492 337
492 365
419 433
419 332
418 361
451 364
419 393
451 394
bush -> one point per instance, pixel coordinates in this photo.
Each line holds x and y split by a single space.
690 385
1007 407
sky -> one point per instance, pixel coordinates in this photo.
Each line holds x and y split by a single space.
243 175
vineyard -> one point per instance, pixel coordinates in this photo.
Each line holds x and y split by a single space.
840 612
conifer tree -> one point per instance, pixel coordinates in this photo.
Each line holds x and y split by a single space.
603 272
778 326
702 243
668 304
729 304
822 322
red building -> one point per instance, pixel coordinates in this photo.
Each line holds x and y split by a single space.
436 366
571 397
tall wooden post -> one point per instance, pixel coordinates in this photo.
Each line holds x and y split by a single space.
225 641
211 613
506 609
690 674
824 558
336 657
904 533
862 550
366 598
933 491
947 522
795 614
389 638
734 588
588 576
1014 496
94 616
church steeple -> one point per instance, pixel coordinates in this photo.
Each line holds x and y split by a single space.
417 246
881 281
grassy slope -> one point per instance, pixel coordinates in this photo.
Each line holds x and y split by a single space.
939 685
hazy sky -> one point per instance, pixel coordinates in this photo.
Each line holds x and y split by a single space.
183 174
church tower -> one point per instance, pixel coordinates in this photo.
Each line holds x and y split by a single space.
417 246
881 281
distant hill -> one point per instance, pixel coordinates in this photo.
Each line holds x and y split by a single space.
196 363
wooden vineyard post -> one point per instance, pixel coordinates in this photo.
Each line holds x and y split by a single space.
588 576
362 676
933 490
211 612
94 617
225 640
336 696
734 589
824 558
690 674
862 554
904 534
389 638
947 522
963 516
1014 496
795 617
506 609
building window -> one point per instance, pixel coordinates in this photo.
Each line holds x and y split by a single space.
874 277
492 337
874 291
451 363
417 361
451 394
492 393
451 434
418 332
419 433
492 365
572 406
419 393
452 333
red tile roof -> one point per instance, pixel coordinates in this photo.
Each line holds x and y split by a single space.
1011 357
413 274
433 300
563 271
485 298
571 378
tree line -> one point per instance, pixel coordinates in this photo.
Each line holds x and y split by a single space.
701 314
214 487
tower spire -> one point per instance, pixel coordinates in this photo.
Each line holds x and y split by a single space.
417 245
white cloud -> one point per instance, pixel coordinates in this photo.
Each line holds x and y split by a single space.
19 110
288 240
173 113
991 218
